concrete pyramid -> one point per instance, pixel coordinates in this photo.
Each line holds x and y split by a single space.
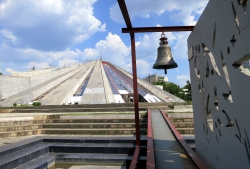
94 82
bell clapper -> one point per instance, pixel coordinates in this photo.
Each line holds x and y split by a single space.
165 71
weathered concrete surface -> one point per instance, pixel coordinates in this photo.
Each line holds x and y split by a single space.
27 95
180 115
183 108
11 85
94 92
67 89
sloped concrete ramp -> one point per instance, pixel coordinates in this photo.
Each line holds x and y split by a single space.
168 151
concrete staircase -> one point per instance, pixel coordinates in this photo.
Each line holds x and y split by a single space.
74 125
76 143
183 125
94 126
122 124
63 152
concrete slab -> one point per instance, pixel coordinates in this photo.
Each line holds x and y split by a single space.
95 93
65 90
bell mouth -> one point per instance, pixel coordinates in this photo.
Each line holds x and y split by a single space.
157 66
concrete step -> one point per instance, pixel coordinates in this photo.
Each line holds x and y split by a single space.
69 110
21 157
63 131
42 162
173 120
114 105
69 125
183 124
96 131
185 130
102 151
21 122
21 127
20 133
95 120
97 148
93 125
102 116
58 152
97 159
107 140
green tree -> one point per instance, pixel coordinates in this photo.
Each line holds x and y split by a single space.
189 94
173 89
1 73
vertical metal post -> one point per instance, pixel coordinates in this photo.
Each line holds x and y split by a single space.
137 125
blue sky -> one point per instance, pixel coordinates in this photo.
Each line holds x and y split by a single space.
63 32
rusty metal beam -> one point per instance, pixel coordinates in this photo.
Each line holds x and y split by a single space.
150 144
136 96
125 14
127 20
134 162
157 29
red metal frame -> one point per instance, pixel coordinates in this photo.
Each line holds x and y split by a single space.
136 96
125 14
132 30
157 29
190 152
135 158
150 145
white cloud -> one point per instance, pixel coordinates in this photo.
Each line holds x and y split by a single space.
25 59
180 47
112 48
183 79
102 28
9 70
7 34
66 54
90 53
145 15
181 10
67 62
144 67
49 25
37 66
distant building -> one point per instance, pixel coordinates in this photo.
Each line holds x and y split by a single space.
186 91
246 64
155 78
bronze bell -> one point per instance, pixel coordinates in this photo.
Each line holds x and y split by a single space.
164 57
